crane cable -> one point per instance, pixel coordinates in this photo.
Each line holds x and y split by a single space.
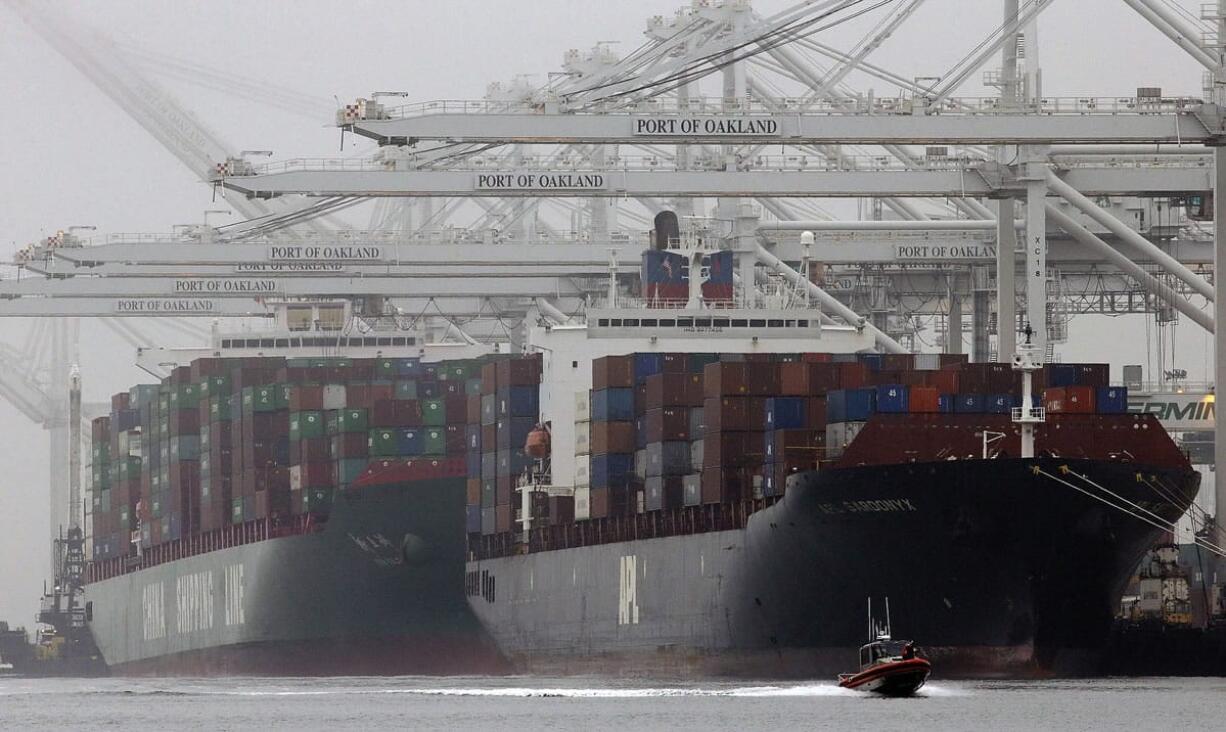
784 34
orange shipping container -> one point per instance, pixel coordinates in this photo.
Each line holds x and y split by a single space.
924 399
1079 399
1053 400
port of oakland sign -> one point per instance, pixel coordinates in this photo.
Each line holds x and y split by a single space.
705 126
289 267
540 181
329 253
152 305
225 287
944 252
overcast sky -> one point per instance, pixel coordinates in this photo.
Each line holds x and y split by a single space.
73 157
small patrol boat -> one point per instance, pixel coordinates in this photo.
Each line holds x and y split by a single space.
888 667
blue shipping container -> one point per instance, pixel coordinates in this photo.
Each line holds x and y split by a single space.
1061 374
1112 399
998 404
612 469
473 523
521 401
472 437
640 433
893 399
409 367
850 405
871 360
945 403
410 442
968 404
613 405
786 413
647 364
473 464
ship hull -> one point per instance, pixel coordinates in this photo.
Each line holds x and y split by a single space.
993 569
375 592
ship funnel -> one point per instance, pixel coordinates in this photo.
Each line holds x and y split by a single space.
666 229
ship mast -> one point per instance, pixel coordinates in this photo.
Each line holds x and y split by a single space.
1028 360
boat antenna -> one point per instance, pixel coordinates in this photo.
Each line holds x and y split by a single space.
870 620
887 617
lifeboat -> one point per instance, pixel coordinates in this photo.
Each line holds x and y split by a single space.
537 445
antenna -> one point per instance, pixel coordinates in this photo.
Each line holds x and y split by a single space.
871 629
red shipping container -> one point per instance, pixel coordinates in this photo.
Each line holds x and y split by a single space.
726 414
732 449
853 375
1079 399
502 518
456 406
945 382
816 357
489 378
408 412
924 399
306 398
762 379
816 410
310 475
667 424
120 401
309 450
1053 400
473 412
526 371
612 437
273 502
358 396
473 492
350 445
454 439
725 378
668 390
897 362
184 422
675 363
502 490
613 372
725 485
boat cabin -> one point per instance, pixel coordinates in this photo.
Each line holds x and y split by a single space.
886 650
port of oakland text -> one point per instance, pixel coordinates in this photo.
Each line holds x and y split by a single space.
904 252
540 181
226 286
705 126
325 253
165 306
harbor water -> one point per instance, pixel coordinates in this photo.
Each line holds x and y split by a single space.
599 704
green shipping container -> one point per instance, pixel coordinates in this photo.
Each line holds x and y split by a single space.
384 443
236 511
303 425
316 500
454 372
349 469
434 442
387 367
406 389
215 385
184 396
261 399
433 412
352 420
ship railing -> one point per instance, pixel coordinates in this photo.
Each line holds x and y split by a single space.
631 527
226 537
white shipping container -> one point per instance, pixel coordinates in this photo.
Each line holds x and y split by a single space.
583 407
583 467
839 435
583 508
334 396
696 454
583 438
640 464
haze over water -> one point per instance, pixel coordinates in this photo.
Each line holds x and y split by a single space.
528 703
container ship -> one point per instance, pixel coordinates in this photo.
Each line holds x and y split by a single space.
233 529
716 491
